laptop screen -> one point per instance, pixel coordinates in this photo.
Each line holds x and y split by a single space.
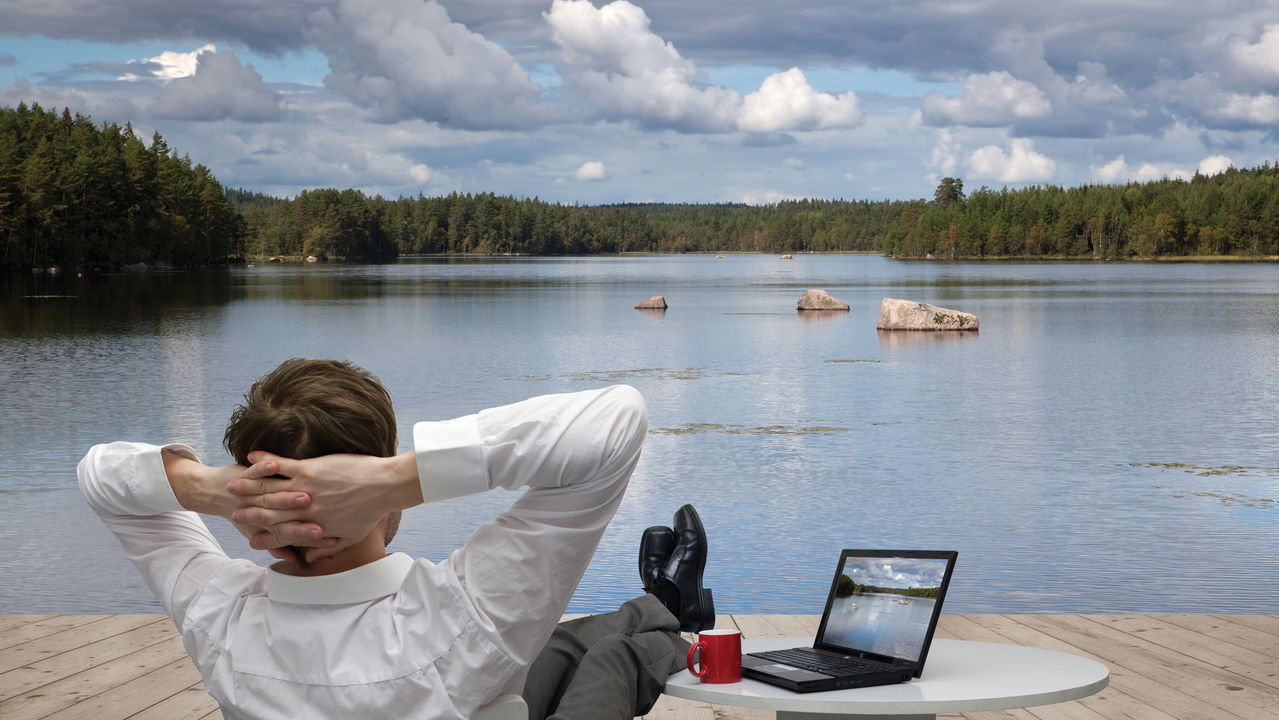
885 603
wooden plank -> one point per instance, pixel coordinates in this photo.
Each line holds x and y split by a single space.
769 626
1160 677
1264 623
191 703
72 638
43 672
215 715
1228 629
1244 661
41 626
1112 702
69 691
8 622
134 696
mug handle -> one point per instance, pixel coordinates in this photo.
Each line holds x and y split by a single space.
692 664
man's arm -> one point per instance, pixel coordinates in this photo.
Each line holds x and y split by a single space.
149 496
128 486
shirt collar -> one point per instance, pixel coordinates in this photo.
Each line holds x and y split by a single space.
367 582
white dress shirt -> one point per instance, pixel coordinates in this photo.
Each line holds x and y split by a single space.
398 637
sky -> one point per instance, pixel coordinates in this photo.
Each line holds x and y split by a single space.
582 101
896 572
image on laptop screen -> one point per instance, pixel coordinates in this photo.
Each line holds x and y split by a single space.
884 605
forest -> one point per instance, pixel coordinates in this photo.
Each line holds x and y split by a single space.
74 194
845 587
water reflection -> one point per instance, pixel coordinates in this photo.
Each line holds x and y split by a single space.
39 305
891 339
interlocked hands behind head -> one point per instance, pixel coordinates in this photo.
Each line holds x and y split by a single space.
324 504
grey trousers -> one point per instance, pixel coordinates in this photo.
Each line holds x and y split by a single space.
608 666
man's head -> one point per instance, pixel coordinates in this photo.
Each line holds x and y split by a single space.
308 408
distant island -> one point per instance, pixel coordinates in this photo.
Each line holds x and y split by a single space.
845 587
77 195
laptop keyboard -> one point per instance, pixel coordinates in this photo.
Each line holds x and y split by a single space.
817 662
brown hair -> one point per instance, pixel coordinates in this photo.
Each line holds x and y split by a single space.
308 408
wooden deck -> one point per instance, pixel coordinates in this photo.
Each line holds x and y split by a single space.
1163 667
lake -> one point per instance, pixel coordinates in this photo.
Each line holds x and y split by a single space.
1106 443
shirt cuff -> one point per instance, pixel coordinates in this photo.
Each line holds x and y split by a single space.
151 485
450 458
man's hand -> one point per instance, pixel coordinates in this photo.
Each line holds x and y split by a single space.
348 495
203 489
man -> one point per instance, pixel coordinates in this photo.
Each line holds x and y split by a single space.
346 630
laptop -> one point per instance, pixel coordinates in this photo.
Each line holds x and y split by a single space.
879 620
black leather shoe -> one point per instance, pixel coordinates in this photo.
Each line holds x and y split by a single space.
655 549
684 572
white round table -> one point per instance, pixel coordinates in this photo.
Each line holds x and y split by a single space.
959 676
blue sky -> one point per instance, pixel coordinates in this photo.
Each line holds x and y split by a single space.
658 100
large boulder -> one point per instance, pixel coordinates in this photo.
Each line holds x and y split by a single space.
657 302
911 315
820 300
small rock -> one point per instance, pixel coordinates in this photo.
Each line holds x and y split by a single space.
275 259
312 258
786 257
657 302
911 315
820 300
135 267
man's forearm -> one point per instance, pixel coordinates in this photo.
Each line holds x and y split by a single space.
197 487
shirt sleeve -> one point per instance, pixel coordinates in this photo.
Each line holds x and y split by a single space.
574 453
126 485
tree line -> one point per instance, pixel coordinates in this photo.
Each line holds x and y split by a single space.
845 587
79 195
75 194
1233 213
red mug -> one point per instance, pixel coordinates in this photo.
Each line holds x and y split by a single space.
721 656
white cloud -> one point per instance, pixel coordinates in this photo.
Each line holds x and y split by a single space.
1214 165
219 87
988 100
793 162
406 58
593 170
945 155
421 173
1257 110
1119 171
785 101
624 71
171 65
1259 59
765 197
1020 164
614 39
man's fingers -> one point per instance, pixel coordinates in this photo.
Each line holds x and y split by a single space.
263 468
263 517
283 500
278 465
247 487
290 533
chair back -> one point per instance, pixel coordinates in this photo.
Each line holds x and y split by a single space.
505 707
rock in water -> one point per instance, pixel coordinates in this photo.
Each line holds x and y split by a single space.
911 315
820 300
312 258
657 302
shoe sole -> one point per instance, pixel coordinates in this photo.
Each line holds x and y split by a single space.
706 603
